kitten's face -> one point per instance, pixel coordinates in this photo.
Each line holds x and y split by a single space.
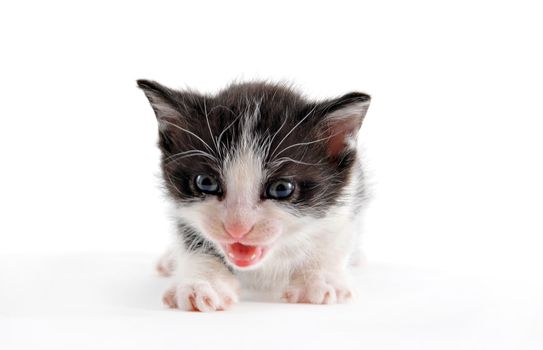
250 166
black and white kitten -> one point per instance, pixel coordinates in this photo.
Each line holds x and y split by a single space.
266 187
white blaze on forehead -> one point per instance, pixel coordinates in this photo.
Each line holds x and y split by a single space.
243 174
243 171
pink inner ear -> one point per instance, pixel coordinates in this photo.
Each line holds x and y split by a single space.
340 131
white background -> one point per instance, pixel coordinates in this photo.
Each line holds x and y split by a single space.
453 138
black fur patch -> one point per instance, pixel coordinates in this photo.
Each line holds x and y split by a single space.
197 131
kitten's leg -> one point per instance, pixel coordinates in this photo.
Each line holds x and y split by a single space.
202 283
324 279
318 287
166 264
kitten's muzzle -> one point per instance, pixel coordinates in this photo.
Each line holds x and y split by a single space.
237 230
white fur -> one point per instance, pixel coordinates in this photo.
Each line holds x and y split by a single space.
352 116
353 110
201 283
306 258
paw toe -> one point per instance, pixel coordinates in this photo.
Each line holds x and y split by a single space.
321 294
206 298
318 290
169 298
201 296
344 295
291 295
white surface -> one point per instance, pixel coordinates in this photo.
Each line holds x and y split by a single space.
452 138
113 301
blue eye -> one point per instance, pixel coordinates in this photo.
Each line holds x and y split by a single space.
280 189
207 184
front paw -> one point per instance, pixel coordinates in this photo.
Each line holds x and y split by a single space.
203 296
317 289
166 264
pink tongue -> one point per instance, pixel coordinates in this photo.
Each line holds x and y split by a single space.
244 255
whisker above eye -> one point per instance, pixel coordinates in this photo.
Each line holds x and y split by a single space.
277 132
219 144
190 133
282 160
217 165
303 144
294 128
188 152
191 153
209 127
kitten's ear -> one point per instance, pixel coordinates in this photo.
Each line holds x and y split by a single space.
172 110
342 120
163 100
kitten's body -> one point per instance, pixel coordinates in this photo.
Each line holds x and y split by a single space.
278 204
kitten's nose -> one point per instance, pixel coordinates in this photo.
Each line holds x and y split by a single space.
237 229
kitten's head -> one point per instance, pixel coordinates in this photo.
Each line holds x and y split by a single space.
250 165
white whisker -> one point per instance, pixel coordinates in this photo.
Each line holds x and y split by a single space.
304 144
282 160
209 126
191 153
294 128
225 129
189 132
278 130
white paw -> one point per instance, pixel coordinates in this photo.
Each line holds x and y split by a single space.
318 290
166 264
202 296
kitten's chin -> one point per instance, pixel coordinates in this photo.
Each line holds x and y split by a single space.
244 256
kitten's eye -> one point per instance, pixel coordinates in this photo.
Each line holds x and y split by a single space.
280 189
207 184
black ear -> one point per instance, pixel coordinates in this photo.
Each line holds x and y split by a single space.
342 120
171 112
165 101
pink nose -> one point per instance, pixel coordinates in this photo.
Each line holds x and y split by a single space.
237 230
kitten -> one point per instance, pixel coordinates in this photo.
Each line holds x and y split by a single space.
266 187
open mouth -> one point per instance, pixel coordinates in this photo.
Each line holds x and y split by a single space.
244 255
